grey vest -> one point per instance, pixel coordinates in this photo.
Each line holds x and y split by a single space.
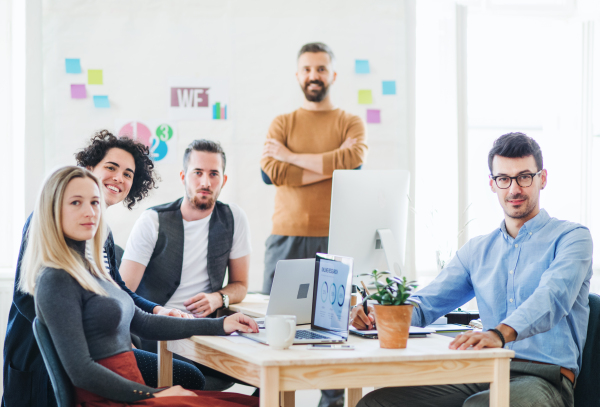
163 273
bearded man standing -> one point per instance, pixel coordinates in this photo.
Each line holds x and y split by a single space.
177 253
302 150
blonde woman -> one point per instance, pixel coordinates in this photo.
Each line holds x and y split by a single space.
92 339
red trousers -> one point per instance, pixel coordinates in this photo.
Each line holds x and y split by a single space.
124 364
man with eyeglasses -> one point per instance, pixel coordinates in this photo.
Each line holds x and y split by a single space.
531 280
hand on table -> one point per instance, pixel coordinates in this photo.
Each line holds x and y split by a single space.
203 304
175 391
478 340
360 321
171 312
239 322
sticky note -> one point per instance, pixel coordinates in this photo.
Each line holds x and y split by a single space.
373 116
72 65
94 76
389 87
365 97
78 92
101 101
362 66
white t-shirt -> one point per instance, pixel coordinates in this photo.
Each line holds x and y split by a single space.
194 273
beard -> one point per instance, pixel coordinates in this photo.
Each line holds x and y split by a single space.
523 212
312 96
204 202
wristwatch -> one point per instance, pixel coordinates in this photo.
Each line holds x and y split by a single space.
225 298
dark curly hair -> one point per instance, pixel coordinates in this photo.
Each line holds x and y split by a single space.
144 178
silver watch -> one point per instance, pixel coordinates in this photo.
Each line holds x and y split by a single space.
225 298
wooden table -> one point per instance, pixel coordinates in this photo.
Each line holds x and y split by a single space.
279 373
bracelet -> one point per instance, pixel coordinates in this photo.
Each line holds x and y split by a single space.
497 332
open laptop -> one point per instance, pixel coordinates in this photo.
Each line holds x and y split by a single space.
292 290
330 303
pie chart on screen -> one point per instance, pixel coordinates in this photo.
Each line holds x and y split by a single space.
137 131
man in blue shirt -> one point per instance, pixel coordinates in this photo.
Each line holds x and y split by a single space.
531 279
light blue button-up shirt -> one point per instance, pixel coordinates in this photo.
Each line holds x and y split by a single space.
537 283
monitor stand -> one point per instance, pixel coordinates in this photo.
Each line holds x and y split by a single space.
385 240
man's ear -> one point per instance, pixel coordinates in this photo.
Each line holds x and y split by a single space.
544 176
492 182
334 77
224 180
182 176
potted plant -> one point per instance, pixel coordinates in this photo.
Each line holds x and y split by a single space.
394 311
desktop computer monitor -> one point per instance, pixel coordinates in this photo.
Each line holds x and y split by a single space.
369 216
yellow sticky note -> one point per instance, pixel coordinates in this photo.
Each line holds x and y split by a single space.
95 77
365 97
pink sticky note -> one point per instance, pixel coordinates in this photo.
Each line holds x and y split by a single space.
78 92
373 116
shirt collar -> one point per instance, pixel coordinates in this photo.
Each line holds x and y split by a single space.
531 226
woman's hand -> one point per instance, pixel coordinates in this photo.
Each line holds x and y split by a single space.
239 322
175 391
171 312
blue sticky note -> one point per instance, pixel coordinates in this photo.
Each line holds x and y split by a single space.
73 65
389 87
101 101
362 66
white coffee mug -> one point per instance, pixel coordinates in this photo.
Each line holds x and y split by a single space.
281 330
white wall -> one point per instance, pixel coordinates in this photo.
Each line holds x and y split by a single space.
140 44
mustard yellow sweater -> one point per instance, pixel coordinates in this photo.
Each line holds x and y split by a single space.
303 210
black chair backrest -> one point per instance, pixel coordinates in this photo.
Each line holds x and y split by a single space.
587 389
63 388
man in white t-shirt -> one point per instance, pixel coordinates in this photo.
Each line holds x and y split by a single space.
178 253
192 241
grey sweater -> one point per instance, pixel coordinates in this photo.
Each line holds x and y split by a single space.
86 327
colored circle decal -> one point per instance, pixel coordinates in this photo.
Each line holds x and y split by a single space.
164 132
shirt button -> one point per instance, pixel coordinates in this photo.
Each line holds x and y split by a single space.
516 245
510 272
529 232
511 300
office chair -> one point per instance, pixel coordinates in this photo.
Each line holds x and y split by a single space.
587 389
63 388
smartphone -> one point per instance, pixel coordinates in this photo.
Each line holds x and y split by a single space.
331 347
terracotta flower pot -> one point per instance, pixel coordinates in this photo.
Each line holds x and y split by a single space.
393 323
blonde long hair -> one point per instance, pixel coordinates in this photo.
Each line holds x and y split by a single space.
46 244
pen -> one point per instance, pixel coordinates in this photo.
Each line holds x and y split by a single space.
364 294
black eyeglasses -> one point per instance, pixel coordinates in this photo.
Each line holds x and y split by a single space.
523 180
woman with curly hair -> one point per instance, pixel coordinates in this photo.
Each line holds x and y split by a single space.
126 174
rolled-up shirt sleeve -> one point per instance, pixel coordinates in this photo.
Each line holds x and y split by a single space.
449 290
558 289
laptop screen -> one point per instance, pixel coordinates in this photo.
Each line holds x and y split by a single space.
332 290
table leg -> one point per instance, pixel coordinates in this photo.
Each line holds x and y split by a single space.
500 386
288 398
353 396
269 386
165 365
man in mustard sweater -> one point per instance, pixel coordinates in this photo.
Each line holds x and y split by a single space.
301 151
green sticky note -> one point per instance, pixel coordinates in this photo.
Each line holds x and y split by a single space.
365 97
94 76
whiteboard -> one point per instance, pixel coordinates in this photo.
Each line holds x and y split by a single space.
252 45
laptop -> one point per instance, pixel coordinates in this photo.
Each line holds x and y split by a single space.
292 290
332 286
